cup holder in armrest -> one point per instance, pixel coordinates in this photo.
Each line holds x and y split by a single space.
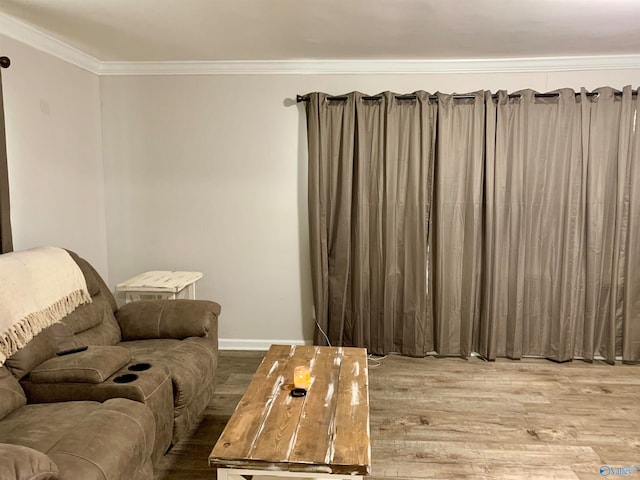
126 378
139 367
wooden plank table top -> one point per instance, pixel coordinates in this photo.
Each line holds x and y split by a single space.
326 431
159 281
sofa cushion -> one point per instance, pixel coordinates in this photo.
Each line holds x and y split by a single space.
12 396
24 463
114 441
94 365
88 315
107 333
33 425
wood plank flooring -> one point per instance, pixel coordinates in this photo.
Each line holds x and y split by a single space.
453 419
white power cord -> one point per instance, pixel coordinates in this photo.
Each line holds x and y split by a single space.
373 361
322 331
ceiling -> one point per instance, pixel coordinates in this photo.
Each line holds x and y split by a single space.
245 30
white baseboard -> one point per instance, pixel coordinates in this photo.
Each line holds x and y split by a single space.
251 344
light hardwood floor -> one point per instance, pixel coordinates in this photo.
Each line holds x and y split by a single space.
450 418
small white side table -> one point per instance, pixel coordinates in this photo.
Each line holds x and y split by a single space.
160 284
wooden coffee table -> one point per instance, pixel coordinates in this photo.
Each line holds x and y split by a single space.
324 434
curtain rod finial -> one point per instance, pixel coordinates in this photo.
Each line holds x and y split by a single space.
301 98
5 62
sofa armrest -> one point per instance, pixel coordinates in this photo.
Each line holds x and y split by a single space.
177 319
24 463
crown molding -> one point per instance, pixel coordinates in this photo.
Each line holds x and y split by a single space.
361 67
40 40
22 32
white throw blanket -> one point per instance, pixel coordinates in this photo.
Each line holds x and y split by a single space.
38 288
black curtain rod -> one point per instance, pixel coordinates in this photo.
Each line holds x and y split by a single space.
305 98
5 62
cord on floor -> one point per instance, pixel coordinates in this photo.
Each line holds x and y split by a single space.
373 361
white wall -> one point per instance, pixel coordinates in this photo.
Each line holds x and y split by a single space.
208 173
54 147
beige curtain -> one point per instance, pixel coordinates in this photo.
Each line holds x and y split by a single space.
601 123
6 244
534 291
627 260
331 130
612 306
370 177
457 220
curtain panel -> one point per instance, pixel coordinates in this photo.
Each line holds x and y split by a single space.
627 261
6 243
533 291
505 225
456 246
370 177
603 127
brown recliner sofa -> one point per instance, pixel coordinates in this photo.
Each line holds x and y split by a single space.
112 410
